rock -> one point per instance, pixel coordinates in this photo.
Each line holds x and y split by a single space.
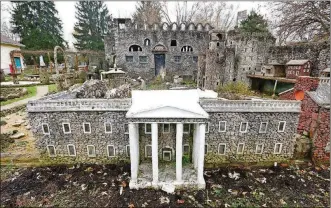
18 123
28 127
17 135
305 133
200 196
163 200
168 188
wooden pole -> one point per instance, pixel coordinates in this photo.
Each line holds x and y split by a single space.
49 62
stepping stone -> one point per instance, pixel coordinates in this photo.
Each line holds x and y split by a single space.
18 123
17 135
28 127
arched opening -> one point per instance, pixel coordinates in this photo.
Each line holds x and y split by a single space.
135 48
219 36
173 43
218 44
174 27
147 42
186 49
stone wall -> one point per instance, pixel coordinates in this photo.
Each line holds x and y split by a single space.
251 138
302 84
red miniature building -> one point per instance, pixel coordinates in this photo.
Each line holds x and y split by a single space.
295 68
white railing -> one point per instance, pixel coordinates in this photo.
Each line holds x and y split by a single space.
217 105
324 80
79 105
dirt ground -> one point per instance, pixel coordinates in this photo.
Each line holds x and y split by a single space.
99 186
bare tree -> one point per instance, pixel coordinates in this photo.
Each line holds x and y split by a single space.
183 12
148 12
298 20
6 27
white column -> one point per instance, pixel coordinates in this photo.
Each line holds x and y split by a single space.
196 145
155 158
179 152
134 151
201 154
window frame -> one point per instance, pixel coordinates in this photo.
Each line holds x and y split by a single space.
189 128
110 145
280 149
49 151
88 153
206 148
42 126
69 150
186 145
266 127
87 132
195 59
180 58
143 62
126 59
128 128
146 132
148 145
166 151
63 123
168 129
283 127
261 149
207 127
111 128
126 150
219 126
245 131
241 143
218 148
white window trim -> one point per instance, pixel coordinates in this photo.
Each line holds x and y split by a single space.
49 151
283 130
42 126
168 129
218 149
126 150
207 129
245 129
189 128
69 151
69 128
166 151
266 127
261 149
206 148
242 149
111 128
94 155
146 132
188 148
87 132
280 149
219 126
124 129
146 156
108 150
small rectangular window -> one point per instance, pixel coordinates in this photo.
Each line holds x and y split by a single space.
222 126
281 126
240 148
45 128
207 128
206 149
91 150
167 155
66 128
263 127
148 128
186 149
259 149
148 151
243 127
87 127
186 128
297 73
222 149
127 149
51 150
173 43
143 59
108 128
166 128
129 58
111 150
177 59
195 59
278 148
126 128
71 150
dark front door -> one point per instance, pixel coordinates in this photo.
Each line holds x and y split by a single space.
159 60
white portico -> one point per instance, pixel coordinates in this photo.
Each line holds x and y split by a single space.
177 107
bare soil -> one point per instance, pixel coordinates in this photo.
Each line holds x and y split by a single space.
99 186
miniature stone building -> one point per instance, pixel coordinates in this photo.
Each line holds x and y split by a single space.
325 72
273 70
154 129
295 68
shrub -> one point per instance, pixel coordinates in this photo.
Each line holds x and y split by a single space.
186 160
236 88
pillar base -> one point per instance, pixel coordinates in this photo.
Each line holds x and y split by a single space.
202 184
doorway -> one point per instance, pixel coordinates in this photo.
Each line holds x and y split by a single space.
159 60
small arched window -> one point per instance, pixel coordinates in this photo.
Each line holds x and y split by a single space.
186 49
219 36
147 42
135 48
218 44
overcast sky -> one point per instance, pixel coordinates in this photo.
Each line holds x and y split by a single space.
66 11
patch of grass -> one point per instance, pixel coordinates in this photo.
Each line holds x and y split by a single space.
236 88
5 141
52 88
32 91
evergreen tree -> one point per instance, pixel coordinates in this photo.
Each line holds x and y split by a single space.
37 24
147 12
254 23
92 25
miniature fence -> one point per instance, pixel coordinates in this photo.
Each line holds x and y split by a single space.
216 105
324 80
79 105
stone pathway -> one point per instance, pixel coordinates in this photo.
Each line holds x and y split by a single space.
41 91
20 83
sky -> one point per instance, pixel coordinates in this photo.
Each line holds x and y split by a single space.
121 9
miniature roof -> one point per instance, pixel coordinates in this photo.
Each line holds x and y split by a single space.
7 40
326 70
114 71
297 62
322 94
168 104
